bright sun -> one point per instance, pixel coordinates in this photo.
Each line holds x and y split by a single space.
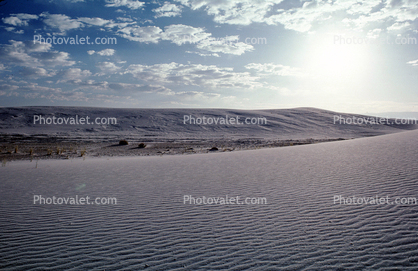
333 62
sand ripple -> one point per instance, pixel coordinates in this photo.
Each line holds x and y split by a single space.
150 228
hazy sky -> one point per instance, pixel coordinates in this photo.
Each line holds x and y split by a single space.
352 56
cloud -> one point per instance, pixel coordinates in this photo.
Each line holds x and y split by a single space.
28 54
167 10
274 69
106 52
61 22
178 33
20 19
34 91
197 95
135 88
35 72
193 74
122 89
241 12
181 34
73 74
107 67
146 34
156 89
131 4
7 88
227 45
413 62
94 21
13 29
201 54
303 17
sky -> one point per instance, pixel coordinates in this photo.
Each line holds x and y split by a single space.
346 56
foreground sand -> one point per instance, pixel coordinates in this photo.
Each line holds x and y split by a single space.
300 227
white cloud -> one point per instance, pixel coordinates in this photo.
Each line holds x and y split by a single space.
20 19
94 21
413 62
106 52
227 45
241 12
28 54
201 54
124 19
132 4
197 95
180 34
146 34
107 67
193 74
61 22
122 89
167 10
33 90
273 69
135 88
8 87
13 29
355 14
73 74
35 72
399 27
55 58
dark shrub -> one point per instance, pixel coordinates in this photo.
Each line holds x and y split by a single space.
123 142
141 145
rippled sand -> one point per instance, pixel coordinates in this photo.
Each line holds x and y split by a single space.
151 228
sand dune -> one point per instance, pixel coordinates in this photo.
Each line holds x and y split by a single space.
300 227
163 124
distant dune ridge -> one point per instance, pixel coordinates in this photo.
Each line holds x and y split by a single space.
298 123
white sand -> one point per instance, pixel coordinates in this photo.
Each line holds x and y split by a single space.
150 228
164 124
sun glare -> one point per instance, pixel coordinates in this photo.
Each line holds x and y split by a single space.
332 62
